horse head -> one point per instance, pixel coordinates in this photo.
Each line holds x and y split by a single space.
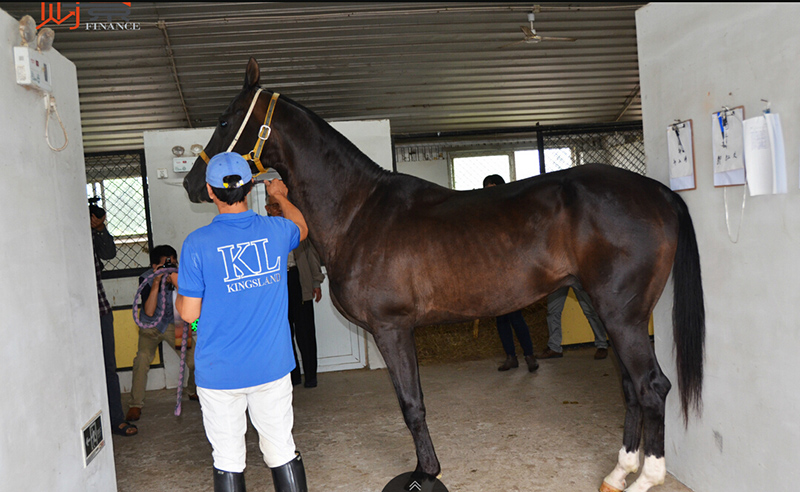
237 128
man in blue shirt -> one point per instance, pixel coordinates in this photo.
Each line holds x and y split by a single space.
233 281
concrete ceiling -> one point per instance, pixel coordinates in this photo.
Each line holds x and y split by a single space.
428 67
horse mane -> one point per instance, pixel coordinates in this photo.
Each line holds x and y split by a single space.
350 151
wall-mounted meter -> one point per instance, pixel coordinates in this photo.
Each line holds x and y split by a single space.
32 69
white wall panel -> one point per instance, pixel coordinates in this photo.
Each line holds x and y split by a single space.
695 59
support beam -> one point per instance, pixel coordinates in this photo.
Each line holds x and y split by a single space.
170 55
633 95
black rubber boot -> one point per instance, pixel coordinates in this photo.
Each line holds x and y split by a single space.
228 481
290 477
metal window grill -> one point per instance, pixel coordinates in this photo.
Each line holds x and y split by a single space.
470 168
118 180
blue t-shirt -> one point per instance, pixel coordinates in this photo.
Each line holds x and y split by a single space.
237 265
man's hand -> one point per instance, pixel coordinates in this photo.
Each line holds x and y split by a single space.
275 188
157 278
317 294
278 191
172 278
97 224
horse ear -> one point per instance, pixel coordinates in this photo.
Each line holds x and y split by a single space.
252 74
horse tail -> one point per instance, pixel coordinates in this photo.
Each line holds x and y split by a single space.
688 312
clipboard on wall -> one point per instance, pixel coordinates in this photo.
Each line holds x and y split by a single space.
727 141
680 148
765 154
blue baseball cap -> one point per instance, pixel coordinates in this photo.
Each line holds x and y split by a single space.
227 164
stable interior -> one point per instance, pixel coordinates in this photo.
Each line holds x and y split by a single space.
559 428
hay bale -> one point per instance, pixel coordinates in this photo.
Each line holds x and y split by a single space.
459 341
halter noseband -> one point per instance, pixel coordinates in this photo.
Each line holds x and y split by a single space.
263 134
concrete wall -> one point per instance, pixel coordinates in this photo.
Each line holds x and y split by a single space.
51 357
435 171
693 60
173 216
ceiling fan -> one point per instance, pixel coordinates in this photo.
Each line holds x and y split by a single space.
532 37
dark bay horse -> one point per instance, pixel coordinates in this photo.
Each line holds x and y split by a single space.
402 252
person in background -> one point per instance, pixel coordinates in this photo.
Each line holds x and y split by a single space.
104 248
157 310
515 320
232 280
305 278
555 305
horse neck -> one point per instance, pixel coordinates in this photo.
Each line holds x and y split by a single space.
329 182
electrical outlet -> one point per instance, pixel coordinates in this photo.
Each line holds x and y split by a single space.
162 174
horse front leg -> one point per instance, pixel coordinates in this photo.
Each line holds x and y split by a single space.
399 352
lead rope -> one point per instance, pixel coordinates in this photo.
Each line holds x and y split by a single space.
179 324
184 338
162 294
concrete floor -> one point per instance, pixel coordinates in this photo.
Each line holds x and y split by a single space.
557 429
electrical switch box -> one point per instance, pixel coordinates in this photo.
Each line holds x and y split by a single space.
92 437
33 70
182 164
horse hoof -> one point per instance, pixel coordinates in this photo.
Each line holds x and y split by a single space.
608 488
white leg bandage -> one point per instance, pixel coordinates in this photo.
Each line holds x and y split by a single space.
627 463
653 473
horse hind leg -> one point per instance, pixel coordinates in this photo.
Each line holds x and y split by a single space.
646 389
628 459
653 395
399 352
653 473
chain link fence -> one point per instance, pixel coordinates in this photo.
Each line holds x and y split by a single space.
471 160
620 148
116 180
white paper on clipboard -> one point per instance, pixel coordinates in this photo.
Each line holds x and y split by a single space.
764 155
681 156
727 140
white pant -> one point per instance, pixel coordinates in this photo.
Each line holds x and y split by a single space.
225 422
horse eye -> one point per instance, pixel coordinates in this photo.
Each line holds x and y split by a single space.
223 123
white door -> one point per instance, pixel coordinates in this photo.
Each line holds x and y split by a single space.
340 344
